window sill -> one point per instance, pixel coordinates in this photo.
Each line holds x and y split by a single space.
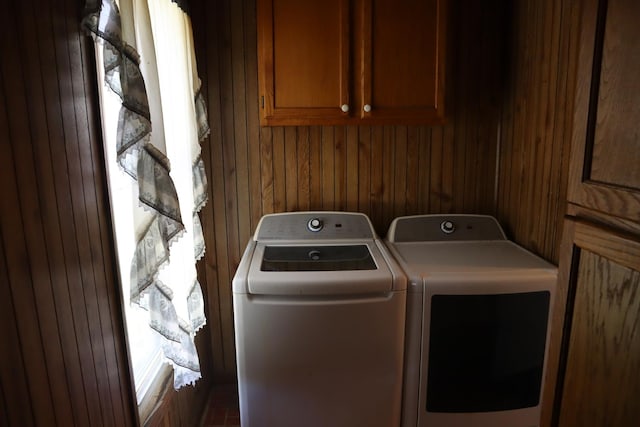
157 397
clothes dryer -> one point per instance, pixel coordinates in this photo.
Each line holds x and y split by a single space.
478 311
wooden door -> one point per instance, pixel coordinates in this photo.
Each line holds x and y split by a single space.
403 61
601 381
598 304
605 157
303 55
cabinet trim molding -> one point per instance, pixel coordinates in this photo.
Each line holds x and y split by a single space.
613 245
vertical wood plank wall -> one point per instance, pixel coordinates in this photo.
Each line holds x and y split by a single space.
63 359
63 353
381 171
536 122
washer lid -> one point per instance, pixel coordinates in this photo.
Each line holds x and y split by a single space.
317 258
340 269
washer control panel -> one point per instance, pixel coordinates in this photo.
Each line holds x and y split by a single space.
314 226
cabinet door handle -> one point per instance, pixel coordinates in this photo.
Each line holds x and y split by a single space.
366 108
345 108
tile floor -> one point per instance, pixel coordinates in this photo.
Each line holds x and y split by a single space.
223 408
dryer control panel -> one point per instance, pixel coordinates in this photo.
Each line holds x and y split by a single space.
445 228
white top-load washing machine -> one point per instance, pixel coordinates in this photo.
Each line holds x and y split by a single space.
478 311
319 312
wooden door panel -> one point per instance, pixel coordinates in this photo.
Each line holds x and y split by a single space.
604 351
309 73
602 344
605 167
398 39
616 142
403 59
304 59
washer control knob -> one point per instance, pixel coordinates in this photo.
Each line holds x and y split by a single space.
447 227
315 225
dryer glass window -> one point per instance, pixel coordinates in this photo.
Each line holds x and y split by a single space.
486 352
317 258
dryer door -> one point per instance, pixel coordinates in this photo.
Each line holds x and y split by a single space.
486 334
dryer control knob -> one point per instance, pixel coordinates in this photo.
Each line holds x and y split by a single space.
447 227
315 225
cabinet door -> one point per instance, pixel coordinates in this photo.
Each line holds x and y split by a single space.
599 383
403 44
605 157
303 60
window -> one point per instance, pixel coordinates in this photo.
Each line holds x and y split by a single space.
153 120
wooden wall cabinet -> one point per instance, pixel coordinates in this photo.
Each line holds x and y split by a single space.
598 304
336 62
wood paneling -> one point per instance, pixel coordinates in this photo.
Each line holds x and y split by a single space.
383 171
63 359
534 148
66 362
536 122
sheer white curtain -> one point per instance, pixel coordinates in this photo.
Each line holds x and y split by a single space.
153 121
